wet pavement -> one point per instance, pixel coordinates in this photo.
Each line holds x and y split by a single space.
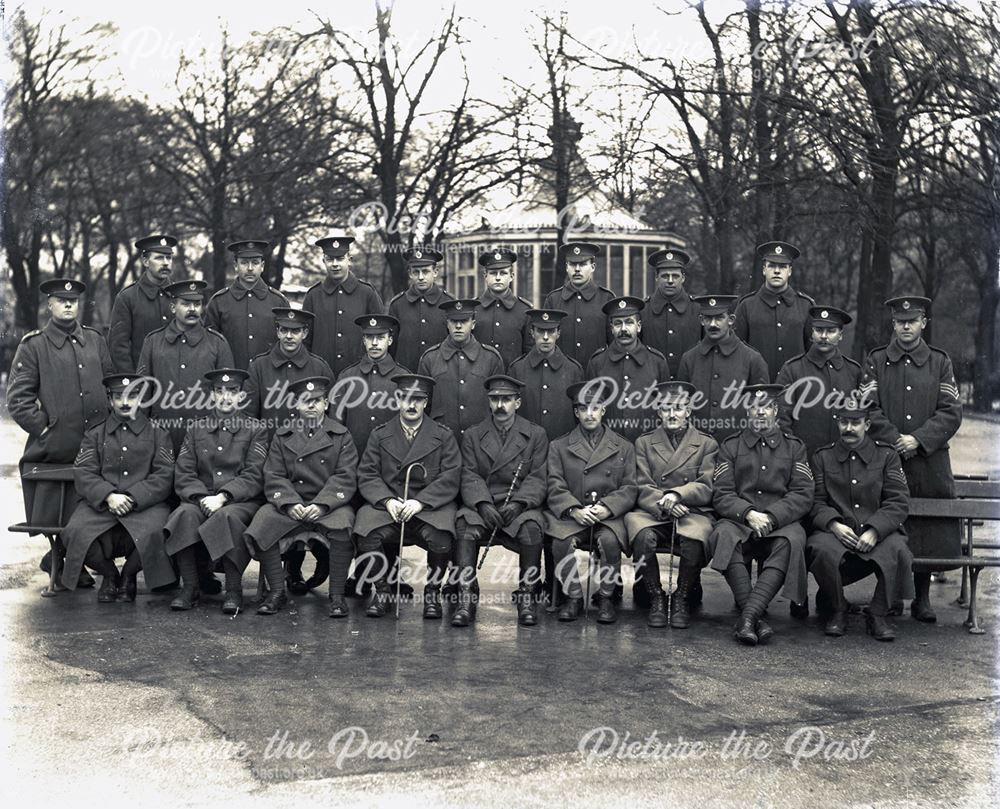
138 703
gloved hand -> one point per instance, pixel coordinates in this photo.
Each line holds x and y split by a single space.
489 515
511 512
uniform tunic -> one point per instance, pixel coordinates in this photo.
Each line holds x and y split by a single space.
575 470
130 457
713 367
140 308
372 381
806 409
585 328
382 474
636 371
543 397
179 360
916 395
503 323
686 470
488 467
460 371
218 456
768 473
671 325
271 373
778 326
862 487
245 319
320 469
55 383
334 335
421 324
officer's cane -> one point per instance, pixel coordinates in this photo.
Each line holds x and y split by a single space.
670 567
402 528
590 562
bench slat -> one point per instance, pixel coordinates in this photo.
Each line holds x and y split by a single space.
972 508
963 561
985 489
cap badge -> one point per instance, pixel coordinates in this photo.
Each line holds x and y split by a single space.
711 301
824 313
163 242
310 385
373 322
906 304
125 381
778 249
622 304
69 286
545 315
497 256
576 251
670 256
417 254
335 243
194 287
458 306
225 377
291 315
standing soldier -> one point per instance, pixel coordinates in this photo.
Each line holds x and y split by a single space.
861 503
425 511
242 312
634 368
812 380
219 478
143 306
370 377
674 466
310 476
670 319
55 395
179 355
421 320
775 318
719 366
124 473
502 321
591 486
459 366
503 487
763 488
337 301
917 410
585 328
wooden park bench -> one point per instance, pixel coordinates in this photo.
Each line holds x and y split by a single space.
976 500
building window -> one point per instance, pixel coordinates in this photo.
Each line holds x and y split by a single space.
638 271
616 270
525 262
547 265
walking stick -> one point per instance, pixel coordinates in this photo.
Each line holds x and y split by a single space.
402 527
590 561
670 568
506 500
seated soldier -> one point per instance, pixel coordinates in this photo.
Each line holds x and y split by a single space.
674 466
591 487
503 486
124 472
219 478
861 502
763 487
310 476
423 502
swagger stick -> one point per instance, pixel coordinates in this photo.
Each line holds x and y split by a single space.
402 527
506 500
670 568
590 561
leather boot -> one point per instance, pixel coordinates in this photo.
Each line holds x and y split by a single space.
878 627
109 590
432 603
606 609
128 589
338 607
273 602
799 611
920 607
836 626
378 600
680 616
464 614
745 632
764 631
695 592
571 609
186 598
657 604
527 599
233 603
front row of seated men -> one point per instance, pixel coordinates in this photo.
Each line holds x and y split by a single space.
750 499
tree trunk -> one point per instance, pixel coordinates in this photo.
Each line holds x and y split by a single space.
985 365
875 282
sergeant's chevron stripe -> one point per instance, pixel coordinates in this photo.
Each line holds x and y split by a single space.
803 468
720 470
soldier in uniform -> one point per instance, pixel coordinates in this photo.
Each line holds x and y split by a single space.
124 472
143 306
763 488
502 321
719 366
55 395
421 320
338 301
861 503
503 487
813 380
179 355
634 368
310 476
219 479
670 321
917 411
775 318
459 365
427 513
591 486
585 328
674 466
242 312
